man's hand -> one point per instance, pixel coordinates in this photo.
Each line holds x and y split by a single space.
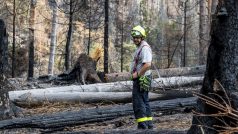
134 75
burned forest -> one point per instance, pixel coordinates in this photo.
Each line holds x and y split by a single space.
118 66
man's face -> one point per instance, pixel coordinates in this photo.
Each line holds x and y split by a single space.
137 40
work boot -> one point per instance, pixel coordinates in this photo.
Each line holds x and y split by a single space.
142 125
149 124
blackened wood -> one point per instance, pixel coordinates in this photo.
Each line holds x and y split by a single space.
31 55
72 118
128 131
222 65
69 37
14 40
3 48
4 85
106 35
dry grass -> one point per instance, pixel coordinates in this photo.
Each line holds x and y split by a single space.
50 108
174 122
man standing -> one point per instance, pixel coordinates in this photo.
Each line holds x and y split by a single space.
141 76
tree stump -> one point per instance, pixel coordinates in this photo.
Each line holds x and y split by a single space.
84 71
6 111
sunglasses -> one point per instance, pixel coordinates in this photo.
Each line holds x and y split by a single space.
135 34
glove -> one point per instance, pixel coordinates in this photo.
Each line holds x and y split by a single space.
144 83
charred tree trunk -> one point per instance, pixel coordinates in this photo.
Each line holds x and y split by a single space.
4 100
184 60
3 48
31 39
222 64
129 131
69 38
31 54
72 118
14 39
89 25
106 25
4 85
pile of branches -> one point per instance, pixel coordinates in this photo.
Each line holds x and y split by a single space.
224 106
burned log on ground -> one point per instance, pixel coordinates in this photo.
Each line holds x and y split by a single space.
169 72
84 71
72 118
125 131
143 132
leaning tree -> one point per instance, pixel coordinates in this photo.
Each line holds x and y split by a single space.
216 107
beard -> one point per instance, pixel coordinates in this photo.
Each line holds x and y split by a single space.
137 43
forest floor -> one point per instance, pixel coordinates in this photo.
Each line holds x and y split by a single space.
169 121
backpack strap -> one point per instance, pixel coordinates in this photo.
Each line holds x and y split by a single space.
136 59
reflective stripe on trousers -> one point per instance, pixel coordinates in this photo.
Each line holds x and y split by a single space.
143 119
141 105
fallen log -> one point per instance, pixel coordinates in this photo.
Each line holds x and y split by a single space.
88 93
31 100
40 98
123 86
71 118
170 72
128 131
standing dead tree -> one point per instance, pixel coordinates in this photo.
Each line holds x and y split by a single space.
222 64
53 34
106 35
4 84
31 39
3 47
203 32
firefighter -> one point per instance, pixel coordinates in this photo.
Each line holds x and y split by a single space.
141 76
